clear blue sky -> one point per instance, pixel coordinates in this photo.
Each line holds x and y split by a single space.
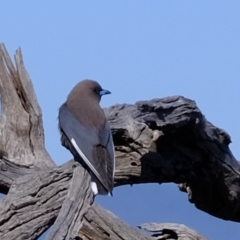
138 50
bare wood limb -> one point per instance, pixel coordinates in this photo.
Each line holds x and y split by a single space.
33 203
162 140
9 172
76 204
169 140
21 128
171 231
167 162
101 224
42 194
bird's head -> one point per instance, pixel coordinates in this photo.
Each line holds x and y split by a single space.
90 89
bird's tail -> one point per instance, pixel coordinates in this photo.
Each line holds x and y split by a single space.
97 187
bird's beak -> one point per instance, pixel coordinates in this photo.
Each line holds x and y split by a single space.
104 92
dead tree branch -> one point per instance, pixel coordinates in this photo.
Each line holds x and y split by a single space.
75 205
21 128
162 140
169 140
166 231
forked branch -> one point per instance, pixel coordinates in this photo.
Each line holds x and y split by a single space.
162 140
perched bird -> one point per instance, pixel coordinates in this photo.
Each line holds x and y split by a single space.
86 134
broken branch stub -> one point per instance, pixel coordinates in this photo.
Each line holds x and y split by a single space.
21 128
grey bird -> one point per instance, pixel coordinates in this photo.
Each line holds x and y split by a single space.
86 134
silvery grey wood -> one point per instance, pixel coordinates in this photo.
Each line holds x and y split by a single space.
75 205
33 202
21 128
162 140
171 231
99 223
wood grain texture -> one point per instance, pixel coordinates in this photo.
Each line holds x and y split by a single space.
170 140
161 140
21 127
77 202
99 223
33 203
171 231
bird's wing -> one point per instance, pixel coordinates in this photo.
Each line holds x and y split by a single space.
88 144
107 141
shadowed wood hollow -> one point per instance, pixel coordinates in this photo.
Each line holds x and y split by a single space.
157 141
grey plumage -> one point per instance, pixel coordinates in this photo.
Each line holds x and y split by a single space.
87 135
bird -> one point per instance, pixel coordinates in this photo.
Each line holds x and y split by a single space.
86 133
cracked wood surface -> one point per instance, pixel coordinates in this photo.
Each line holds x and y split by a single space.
77 202
162 140
169 140
21 127
171 231
33 203
99 223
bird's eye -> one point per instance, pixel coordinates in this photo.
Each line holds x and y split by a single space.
95 89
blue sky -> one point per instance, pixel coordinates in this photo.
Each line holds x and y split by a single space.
138 50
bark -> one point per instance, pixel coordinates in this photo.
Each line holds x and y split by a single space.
162 140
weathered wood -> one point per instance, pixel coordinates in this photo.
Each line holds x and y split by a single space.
48 191
33 202
99 223
171 231
162 140
76 204
9 172
21 128
169 140
42 194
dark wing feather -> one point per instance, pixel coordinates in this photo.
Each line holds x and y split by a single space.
94 146
107 141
